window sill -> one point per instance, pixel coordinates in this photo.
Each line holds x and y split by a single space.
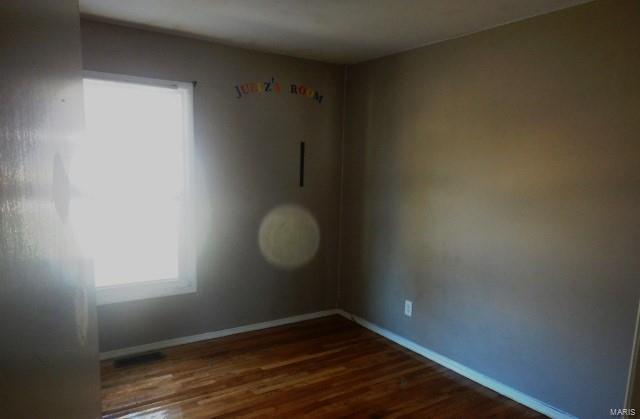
143 291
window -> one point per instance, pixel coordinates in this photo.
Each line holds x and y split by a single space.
131 178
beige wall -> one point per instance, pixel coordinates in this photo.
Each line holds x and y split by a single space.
48 344
247 163
495 181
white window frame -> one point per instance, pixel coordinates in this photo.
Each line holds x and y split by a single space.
187 280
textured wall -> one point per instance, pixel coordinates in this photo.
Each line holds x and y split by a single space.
494 181
48 342
247 163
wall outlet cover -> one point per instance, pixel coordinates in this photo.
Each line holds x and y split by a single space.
408 308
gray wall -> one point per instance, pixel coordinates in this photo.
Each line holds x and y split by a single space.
247 151
48 342
495 181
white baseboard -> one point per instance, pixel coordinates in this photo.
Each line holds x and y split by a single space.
479 378
633 362
212 335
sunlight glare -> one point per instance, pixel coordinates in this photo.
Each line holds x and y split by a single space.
128 179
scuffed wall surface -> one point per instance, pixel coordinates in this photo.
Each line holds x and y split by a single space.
48 340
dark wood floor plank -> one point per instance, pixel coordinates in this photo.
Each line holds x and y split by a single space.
323 368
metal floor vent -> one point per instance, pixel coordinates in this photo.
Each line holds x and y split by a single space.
141 359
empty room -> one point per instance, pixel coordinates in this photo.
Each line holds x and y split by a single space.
325 209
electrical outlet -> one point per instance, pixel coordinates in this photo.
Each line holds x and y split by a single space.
408 308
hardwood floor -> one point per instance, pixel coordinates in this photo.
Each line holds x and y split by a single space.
328 367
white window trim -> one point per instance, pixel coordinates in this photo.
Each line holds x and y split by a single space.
187 281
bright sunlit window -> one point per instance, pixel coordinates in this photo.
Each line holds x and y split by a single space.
131 180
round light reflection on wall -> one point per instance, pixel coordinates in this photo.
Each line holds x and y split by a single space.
289 236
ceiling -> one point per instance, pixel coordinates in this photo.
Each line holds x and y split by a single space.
338 31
